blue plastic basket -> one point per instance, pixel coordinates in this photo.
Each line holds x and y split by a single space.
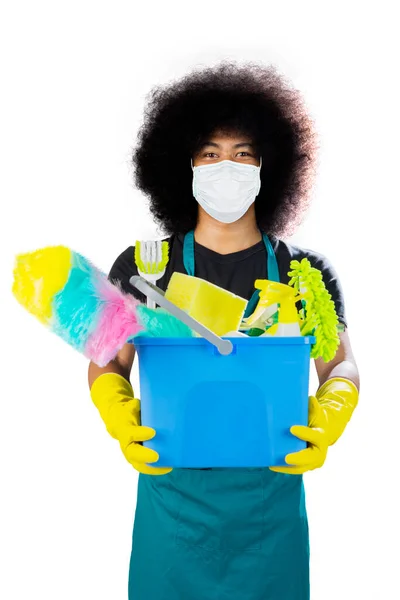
210 410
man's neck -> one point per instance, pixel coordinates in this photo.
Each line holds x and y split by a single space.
227 238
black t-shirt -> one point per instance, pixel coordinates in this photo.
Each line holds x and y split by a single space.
234 272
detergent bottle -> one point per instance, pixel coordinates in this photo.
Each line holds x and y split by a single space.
272 294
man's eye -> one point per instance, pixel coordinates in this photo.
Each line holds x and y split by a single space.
208 153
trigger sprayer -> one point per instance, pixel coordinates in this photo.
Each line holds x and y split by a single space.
271 293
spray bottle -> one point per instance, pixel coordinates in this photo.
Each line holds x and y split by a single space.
272 293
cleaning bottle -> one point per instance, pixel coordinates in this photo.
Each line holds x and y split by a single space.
288 319
272 293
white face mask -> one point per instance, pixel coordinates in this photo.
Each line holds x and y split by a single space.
226 189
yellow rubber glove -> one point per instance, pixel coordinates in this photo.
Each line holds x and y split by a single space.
113 395
329 413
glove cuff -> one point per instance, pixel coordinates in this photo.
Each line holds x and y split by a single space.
109 384
338 397
338 384
113 396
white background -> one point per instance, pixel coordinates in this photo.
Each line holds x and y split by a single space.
74 79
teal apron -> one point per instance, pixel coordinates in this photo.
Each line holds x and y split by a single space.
220 534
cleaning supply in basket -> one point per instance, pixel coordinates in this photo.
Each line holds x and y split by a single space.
288 317
215 308
318 317
158 322
151 259
272 294
75 300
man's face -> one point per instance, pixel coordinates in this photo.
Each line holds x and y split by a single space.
224 146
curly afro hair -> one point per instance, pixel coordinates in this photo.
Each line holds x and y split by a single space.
250 98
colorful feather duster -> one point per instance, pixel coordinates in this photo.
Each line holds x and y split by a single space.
75 300
157 322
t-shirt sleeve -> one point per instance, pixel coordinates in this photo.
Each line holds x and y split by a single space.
123 269
332 283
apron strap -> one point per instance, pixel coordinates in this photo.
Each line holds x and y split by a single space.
272 266
188 253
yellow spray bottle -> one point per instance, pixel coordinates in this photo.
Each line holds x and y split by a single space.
271 293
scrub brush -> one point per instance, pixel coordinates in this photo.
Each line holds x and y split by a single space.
151 259
318 317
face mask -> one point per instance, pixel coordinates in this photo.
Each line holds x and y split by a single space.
226 189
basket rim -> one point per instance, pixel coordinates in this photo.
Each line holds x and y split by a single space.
143 340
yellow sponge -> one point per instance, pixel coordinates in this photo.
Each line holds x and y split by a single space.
215 308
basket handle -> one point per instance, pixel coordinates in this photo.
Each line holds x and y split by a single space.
225 347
